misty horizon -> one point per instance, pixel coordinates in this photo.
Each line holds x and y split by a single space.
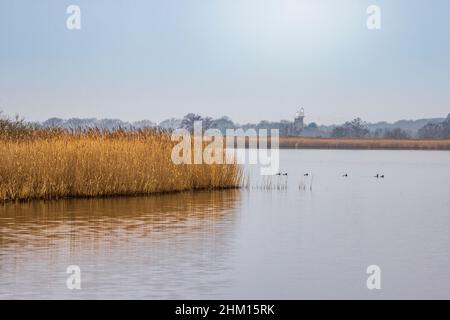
255 121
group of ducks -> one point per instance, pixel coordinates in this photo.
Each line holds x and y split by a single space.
377 176
285 174
345 175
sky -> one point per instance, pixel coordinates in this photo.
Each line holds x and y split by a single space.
248 59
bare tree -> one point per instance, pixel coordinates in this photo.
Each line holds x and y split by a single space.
356 128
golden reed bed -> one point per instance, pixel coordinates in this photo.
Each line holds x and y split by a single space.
333 143
52 164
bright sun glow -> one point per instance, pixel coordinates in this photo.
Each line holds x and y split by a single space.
283 22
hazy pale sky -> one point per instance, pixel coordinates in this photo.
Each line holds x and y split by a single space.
248 59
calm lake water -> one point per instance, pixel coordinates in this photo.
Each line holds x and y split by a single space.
314 239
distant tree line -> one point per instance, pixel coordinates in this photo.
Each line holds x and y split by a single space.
357 128
87 123
351 129
436 128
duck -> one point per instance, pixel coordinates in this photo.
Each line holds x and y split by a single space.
306 174
285 174
382 176
345 175
377 176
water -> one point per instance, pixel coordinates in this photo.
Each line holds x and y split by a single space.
314 239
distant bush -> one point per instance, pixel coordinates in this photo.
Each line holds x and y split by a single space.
396 133
351 129
189 120
14 128
436 130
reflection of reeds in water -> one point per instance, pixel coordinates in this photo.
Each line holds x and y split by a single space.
245 181
79 223
301 185
272 183
151 247
51 165
306 184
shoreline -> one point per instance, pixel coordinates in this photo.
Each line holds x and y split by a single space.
117 196
360 144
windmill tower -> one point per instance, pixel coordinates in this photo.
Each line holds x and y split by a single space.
298 121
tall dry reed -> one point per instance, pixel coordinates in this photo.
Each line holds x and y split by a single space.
345 143
51 164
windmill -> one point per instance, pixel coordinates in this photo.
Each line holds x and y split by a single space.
298 120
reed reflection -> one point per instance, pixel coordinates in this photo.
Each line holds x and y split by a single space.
138 237
40 223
